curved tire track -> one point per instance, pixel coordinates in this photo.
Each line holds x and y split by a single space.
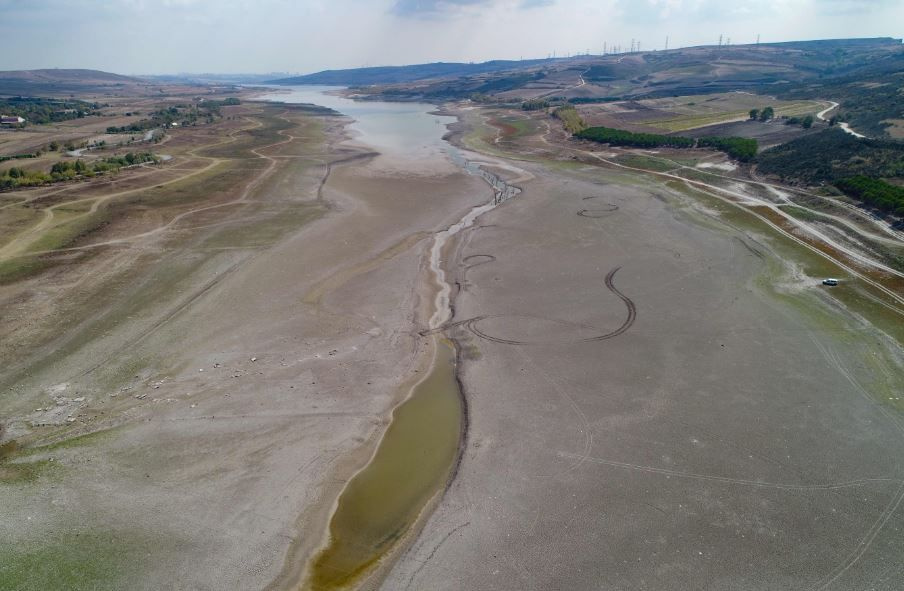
632 310
599 212
472 323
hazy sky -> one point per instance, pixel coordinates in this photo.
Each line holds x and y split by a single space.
229 36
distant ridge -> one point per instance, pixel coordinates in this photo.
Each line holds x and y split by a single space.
401 74
444 70
14 82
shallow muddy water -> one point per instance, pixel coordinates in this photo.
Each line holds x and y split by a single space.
402 132
413 461
418 451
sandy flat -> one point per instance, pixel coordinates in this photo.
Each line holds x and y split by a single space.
723 439
262 388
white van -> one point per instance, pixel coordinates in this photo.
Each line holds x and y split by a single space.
830 281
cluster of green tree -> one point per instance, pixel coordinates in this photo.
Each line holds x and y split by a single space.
68 170
535 105
867 103
620 137
40 111
184 115
741 148
601 73
765 115
831 155
213 106
874 192
570 117
503 84
806 122
17 157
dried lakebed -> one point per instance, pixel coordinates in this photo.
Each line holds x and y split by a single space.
420 448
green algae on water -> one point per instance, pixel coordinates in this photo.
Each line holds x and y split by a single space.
412 462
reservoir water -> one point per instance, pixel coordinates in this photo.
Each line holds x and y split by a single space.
416 455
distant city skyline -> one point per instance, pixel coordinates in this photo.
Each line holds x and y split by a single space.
244 36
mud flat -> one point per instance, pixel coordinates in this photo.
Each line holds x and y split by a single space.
737 428
232 389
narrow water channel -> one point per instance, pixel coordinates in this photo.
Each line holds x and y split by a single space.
418 451
414 460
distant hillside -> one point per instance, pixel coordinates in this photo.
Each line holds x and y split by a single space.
865 75
48 81
831 155
402 74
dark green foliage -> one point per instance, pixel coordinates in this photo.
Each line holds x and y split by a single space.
66 170
868 99
831 155
754 114
767 114
40 111
807 122
743 149
17 157
535 105
619 137
184 115
503 84
874 192
601 73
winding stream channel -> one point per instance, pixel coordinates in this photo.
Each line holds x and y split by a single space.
418 452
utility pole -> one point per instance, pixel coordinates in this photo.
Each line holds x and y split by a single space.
666 42
757 38
604 48
638 46
720 40
728 41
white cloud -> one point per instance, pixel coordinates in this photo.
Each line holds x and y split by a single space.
157 36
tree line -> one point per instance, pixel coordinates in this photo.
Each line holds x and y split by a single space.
877 193
67 170
743 149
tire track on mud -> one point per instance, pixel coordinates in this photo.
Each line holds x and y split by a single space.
471 323
629 303
599 212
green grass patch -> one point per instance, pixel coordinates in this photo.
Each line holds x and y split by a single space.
800 213
13 270
76 561
16 472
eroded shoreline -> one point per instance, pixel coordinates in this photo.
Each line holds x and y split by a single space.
343 562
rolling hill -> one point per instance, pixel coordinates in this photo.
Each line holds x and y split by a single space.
52 81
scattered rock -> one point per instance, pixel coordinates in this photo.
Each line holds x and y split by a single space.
253 359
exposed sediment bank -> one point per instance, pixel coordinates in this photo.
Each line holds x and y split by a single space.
418 452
